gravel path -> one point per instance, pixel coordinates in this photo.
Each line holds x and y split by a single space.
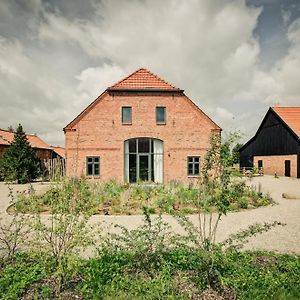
281 239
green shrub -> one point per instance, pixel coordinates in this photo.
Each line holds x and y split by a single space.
25 270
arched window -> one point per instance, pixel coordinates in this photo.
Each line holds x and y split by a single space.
143 160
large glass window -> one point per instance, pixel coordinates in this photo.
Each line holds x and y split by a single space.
193 165
143 160
160 115
126 115
93 166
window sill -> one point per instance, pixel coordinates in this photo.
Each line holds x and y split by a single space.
162 123
126 123
193 176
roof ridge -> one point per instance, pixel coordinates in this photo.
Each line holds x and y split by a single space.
126 77
286 106
165 84
7 130
165 81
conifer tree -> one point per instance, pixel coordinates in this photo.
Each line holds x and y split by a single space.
19 162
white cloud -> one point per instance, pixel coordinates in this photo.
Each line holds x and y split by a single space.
93 81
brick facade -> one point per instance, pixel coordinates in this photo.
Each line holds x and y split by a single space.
276 164
99 131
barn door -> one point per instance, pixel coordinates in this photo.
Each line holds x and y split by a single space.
287 168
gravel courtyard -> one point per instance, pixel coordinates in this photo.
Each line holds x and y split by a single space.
282 239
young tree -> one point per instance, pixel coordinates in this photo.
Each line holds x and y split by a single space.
236 153
19 161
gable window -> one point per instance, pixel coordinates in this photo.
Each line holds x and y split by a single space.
160 115
93 166
126 115
193 165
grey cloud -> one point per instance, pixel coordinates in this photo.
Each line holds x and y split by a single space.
57 56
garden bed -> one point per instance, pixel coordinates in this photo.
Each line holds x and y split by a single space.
112 198
180 275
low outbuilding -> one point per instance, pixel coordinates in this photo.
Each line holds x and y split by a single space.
275 148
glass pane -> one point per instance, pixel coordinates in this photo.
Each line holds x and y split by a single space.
144 145
190 171
152 167
126 114
90 169
96 159
144 167
160 114
190 159
196 159
196 166
132 168
90 159
96 169
132 146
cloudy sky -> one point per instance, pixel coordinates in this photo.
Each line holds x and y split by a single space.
234 58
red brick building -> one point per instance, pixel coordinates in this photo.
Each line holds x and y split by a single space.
141 128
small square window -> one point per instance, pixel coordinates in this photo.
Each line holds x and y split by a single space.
126 115
193 165
160 115
93 166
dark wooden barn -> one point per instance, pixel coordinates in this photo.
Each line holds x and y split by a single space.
276 144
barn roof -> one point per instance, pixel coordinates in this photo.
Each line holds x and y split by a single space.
59 150
6 137
288 116
143 79
291 116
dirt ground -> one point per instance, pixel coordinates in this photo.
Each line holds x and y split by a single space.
281 239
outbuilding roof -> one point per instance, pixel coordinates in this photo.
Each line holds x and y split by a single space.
59 150
291 116
143 79
6 137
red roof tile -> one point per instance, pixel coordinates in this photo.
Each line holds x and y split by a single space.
6 137
143 79
59 150
291 116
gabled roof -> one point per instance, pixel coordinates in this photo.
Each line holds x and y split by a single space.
6 137
291 116
288 116
143 79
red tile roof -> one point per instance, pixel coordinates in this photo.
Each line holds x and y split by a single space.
6 137
291 116
145 80
59 150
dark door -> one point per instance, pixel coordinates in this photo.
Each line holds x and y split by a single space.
287 168
144 167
